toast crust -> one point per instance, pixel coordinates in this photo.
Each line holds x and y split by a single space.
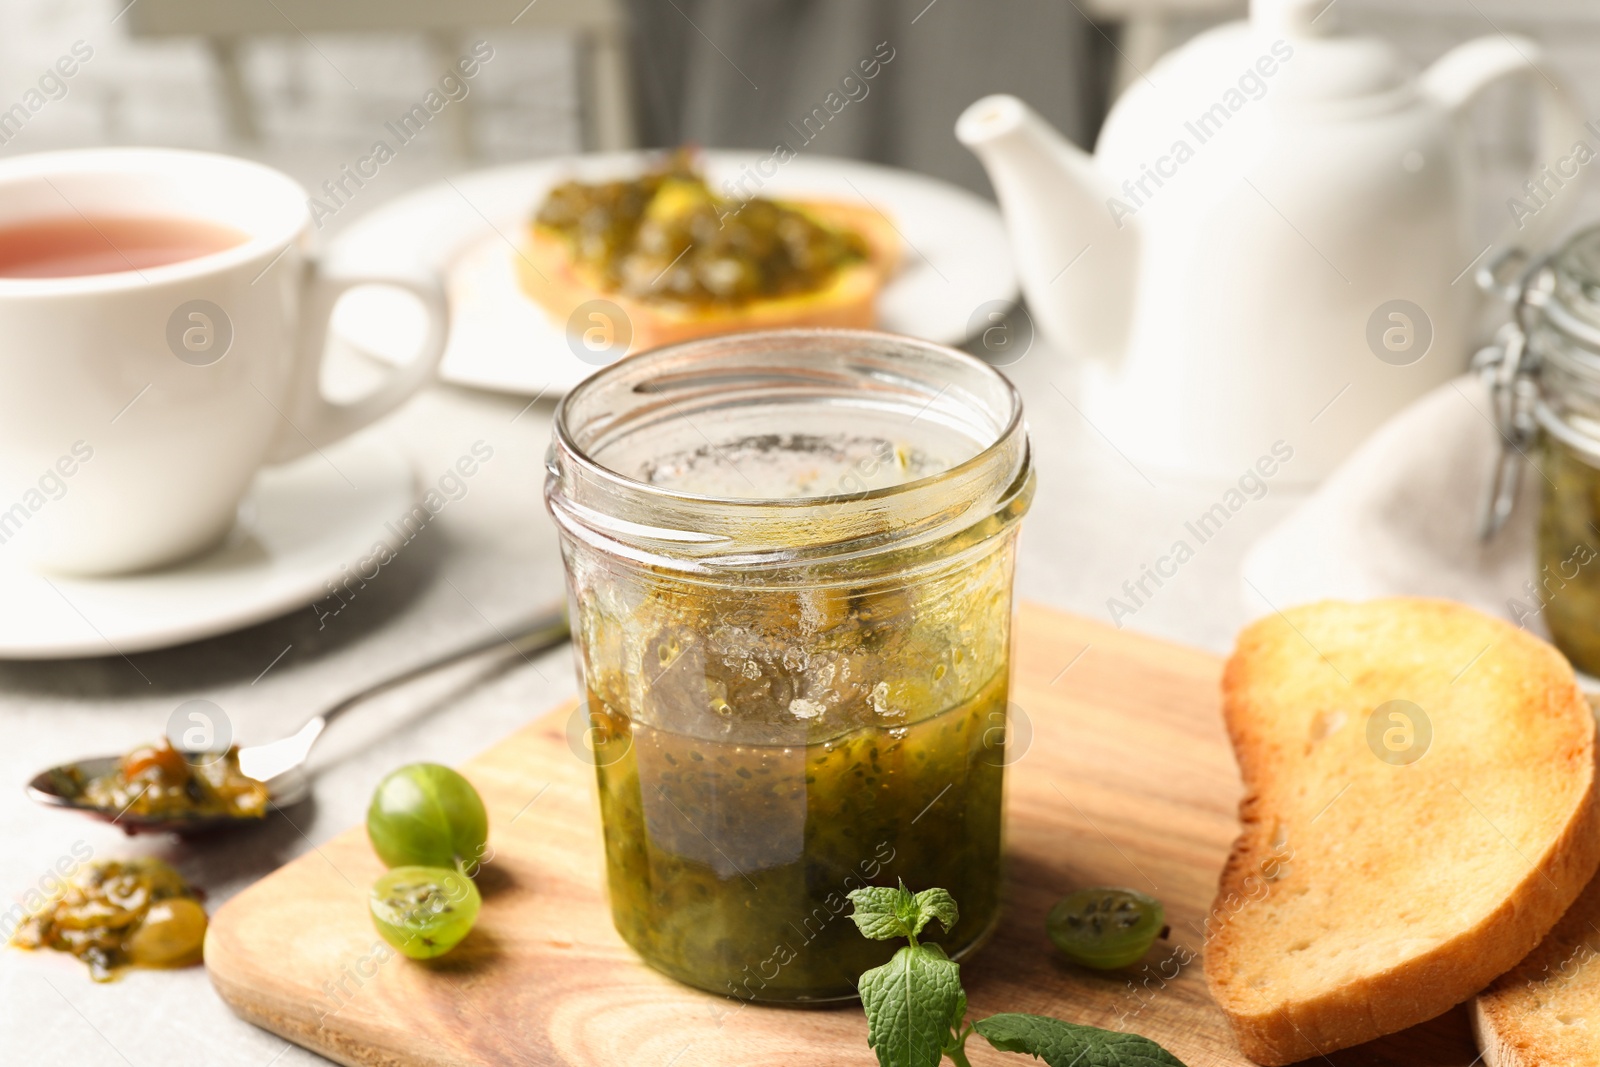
547 275
1340 917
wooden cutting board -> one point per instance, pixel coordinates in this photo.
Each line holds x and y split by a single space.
1128 780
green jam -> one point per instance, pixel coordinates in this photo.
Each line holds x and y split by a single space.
665 237
729 863
770 750
1567 587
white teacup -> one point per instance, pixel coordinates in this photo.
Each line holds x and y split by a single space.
135 407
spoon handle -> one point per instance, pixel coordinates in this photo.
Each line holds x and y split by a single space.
541 632
529 638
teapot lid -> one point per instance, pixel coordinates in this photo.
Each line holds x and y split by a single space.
1329 66
1302 57
1296 17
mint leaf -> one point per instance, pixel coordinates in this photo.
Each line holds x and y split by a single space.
1062 1044
883 913
934 904
914 1004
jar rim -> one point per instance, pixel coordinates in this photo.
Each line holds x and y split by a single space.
592 499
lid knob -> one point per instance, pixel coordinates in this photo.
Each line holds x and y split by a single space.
1296 18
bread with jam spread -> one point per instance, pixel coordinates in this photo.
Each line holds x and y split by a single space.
682 262
1419 811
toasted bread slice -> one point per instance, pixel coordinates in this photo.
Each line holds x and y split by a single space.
1393 858
1546 1011
849 300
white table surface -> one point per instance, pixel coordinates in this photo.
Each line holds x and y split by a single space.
1095 522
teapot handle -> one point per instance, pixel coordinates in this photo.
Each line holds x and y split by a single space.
1457 79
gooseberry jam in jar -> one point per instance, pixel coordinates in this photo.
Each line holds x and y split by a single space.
790 558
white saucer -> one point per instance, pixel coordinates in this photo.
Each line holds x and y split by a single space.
300 526
956 260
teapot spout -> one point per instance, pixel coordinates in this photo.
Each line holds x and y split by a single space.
1076 260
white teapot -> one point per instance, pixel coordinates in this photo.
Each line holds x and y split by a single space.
1273 240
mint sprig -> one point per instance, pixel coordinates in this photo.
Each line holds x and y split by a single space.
914 1002
916 1008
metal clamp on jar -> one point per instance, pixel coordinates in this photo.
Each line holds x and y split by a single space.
1543 374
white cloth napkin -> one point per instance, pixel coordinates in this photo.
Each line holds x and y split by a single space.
1400 516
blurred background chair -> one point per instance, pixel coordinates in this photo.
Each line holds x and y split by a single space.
1150 28
598 28
746 73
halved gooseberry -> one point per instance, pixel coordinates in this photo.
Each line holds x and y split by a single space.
1105 928
424 911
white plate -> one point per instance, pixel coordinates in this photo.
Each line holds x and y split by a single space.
956 260
300 526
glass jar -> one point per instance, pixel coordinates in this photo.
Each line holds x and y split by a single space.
1546 380
789 557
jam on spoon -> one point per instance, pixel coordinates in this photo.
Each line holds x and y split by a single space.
160 780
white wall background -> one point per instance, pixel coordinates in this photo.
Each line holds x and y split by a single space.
165 93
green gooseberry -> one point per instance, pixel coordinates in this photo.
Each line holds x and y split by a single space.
427 815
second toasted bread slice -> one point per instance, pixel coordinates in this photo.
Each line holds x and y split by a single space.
1419 811
1546 1011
